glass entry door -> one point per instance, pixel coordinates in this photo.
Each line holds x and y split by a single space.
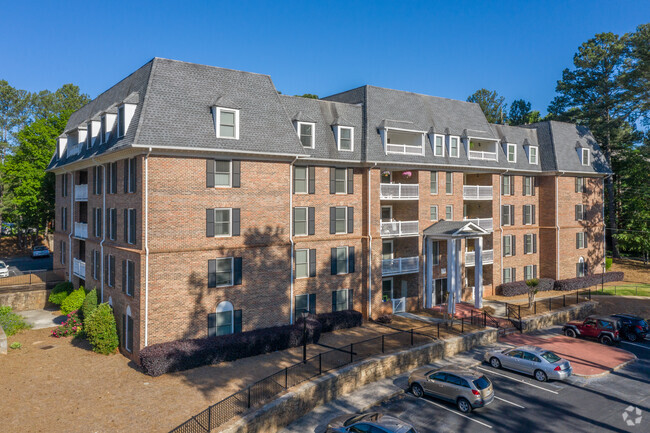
439 290
387 289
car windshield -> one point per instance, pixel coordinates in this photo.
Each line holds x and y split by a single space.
3 265
39 248
353 419
550 357
482 383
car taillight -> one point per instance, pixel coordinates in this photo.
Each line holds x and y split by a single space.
639 327
557 368
475 392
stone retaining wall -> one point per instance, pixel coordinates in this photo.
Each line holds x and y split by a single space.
312 394
20 299
559 317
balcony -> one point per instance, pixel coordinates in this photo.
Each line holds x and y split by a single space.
79 268
477 192
405 149
399 191
486 156
488 258
482 149
484 223
404 265
394 229
81 192
81 230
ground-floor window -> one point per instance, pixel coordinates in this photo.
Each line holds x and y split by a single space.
508 275
342 300
530 272
225 321
581 268
305 304
127 330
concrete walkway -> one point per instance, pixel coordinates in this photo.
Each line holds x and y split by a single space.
42 318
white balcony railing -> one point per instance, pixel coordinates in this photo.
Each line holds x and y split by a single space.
79 268
81 192
488 257
478 154
81 230
399 191
484 223
404 149
404 265
477 192
399 228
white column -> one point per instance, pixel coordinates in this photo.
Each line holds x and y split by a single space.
459 274
429 274
478 272
451 276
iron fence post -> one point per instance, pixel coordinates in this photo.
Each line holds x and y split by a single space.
351 352
577 299
535 307
438 330
462 325
382 343
519 311
485 319
589 293
550 305
286 377
249 397
320 363
209 419
564 300
507 311
411 336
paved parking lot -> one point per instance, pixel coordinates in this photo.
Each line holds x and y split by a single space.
22 265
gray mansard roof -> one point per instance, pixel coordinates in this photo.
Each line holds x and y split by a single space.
173 111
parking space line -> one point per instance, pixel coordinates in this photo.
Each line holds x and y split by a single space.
636 344
518 380
514 404
457 413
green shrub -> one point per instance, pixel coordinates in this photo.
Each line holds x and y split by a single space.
72 326
16 345
12 322
60 292
608 263
101 330
74 301
89 304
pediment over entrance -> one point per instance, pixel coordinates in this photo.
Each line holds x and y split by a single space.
454 229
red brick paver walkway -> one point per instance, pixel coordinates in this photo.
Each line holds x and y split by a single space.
587 358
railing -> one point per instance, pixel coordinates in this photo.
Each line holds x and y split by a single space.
470 258
404 149
81 192
516 312
399 228
478 154
79 268
484 223
477 192
404 265
32 277
81 230
399 191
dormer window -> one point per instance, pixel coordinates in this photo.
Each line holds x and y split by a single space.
585 156
227 123
512 152
344 138
121 122
102 130
438 145
454 146
306 134
89 135
532 155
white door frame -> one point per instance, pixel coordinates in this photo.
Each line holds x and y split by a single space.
392 248
392 287
387 206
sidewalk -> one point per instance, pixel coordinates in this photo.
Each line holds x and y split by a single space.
40 319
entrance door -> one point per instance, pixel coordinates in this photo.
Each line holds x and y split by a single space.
386 213
439 290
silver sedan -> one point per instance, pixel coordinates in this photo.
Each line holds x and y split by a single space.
540 363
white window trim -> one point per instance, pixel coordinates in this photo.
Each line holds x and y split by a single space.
449 174
532 272
582 156
510 221
128 226
217 122
102 129
437 212
387 206
451 137
509 253
232 271
308 270
120 133
582 212
347 261
513 146
229 209
338 138
313 133
346 220
435 136
345 170
306 179
306 208
452 212
530 158
229 175
392 249
581 262
225 307
126 330
530 214
528 236
437 182
509 275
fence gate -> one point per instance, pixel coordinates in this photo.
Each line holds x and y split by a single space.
399 305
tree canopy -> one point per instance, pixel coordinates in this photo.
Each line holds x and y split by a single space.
493 105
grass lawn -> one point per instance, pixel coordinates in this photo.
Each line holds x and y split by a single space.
627 289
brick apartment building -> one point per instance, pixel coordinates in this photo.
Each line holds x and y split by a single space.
199 201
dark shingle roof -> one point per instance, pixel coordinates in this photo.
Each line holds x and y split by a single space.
448 228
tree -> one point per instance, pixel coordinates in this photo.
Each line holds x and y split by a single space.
521 113
636 77
493 105
67 98
532 290
308 95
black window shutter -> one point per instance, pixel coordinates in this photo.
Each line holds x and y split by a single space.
126 225
106 268
585 239
293 187
512 214
350 220
237 263
577 186
523 214
503 215
512 185
312 179
210 169
312 303
312 262
532 211
350 260
98 268
334 266
311 229
209 223
236 174
577 240
334 300
503 246
212 273
235 221
131 281
212 324
134 173
237 320
114 190
95 180
293 226
124 276
350 181
99 221
533 184
332 180
514 245
126 175
123 333
332 220
114 219
534 242
350 299
129 321
534 271
132 227
577 212
514 274
111 263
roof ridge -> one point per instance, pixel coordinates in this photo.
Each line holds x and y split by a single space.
144 99
212 67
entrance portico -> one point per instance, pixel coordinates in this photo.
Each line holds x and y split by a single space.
453 232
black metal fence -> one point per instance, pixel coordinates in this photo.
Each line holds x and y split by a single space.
516 312
267 389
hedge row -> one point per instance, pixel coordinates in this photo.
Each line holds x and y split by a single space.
520 288
339 320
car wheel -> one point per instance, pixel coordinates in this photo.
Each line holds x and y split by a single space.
631 336
570 333
606 339
541 376
417 390
494 362
463 405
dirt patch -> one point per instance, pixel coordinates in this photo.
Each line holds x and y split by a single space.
635 271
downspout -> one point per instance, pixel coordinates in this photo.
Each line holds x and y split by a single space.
557 228
291 237
500 229
604 229
71 228
146 248
369 247
101 244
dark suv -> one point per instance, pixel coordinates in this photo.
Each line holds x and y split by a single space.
633 327
604 329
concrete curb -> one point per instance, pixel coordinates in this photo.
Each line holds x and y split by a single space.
605 373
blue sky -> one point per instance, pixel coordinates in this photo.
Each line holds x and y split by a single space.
447 49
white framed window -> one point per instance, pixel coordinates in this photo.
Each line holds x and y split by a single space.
529 272
434 182
532 155
224 272
438 145
222 222
306 133
580 185
300 180
341 220
131 227
345 138
435 253
222 173
300 221
305 304
585 154
449 182
128 330
508 275
227 123
225 318
507 245
341 180
387 250
454 145
121 121
302 263
528 214
528 244
507 215
507 185
111 270
449 212
433 210
581 240
512 152
387 213
102 130
529 185
581 212
581 268
342 300
341 260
